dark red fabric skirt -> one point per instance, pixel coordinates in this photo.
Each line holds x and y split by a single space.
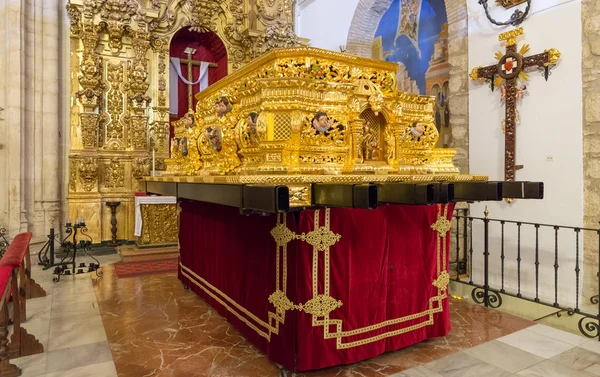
380 278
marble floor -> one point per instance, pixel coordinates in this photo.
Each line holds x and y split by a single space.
149 326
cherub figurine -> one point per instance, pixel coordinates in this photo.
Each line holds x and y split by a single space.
520 91
321 123
417 129
214 137
222 107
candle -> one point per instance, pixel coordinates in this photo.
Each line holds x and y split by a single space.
153 163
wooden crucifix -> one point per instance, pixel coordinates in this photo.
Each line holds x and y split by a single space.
510 67
190 62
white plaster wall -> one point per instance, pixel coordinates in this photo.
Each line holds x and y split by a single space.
549 145
325 22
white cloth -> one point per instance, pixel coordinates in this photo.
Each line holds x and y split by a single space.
139 200
175 75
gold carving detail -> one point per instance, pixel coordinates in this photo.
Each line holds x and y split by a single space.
114 174
510 3
88 173
160 224
553 56
510 37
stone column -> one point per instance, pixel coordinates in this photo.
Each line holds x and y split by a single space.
590 13
29 134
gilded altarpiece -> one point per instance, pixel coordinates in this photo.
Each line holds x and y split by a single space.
120 91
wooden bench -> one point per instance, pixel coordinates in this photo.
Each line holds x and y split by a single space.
17 258
8 288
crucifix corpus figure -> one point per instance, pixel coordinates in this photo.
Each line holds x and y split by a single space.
190 62
510 68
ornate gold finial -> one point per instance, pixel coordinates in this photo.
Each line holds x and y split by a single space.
474 75
511 36
486 212
553 56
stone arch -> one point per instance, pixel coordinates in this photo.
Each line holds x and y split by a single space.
364 24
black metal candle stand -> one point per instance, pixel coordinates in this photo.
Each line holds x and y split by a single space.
72 244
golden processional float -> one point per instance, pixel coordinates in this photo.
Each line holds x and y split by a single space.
304 127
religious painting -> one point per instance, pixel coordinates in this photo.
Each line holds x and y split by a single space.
414 34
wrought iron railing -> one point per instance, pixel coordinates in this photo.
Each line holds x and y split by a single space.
468 255
3 240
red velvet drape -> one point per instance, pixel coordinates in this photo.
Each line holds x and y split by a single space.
381 269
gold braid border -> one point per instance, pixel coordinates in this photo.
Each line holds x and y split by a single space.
321 305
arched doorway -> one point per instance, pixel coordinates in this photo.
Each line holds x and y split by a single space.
193 53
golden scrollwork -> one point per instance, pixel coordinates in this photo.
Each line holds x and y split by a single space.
88 173
474 75
320 305
510 37
281 302
510 3
160 224
442 281
321 238
553 56
442 226
114 176
72 174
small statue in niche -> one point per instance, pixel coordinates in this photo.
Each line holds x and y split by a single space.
175 148
417 129
251 129
370 144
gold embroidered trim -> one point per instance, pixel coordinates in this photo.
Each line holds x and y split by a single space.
322 304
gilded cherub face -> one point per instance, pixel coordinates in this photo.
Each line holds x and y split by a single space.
220 108
323 121
420 128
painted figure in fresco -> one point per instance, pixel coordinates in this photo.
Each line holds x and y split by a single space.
417 129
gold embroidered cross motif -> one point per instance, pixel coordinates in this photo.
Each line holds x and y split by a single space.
281 302
320 305
321 238
442 226
282 234
442 281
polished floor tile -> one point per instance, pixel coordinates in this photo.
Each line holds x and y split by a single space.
577 358
106 369
560 335
155 328
463 365
417 372
551 369
497 353
536 344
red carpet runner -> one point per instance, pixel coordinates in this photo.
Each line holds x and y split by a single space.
127 270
